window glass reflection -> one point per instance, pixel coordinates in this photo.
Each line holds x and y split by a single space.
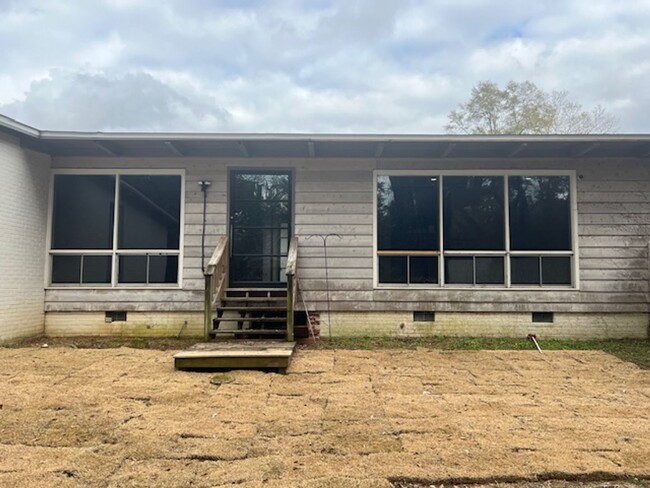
393 269
149 216
540 213
474 218
407 213
83 212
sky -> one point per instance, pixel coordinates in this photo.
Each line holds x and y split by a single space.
338 66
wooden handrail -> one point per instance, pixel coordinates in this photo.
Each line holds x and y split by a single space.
216 279
292 284
292 256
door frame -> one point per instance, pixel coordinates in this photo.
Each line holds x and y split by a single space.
231 172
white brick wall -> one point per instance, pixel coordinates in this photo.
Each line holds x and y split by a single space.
24 187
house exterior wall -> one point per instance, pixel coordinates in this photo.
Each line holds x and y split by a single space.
24 184
336 196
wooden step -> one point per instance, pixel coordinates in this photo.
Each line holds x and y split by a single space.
249 319
279 288
245 308
254 299
258 354
224 332
256 291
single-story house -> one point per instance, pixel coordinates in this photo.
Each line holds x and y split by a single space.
115 233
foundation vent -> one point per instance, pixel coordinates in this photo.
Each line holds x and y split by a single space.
115 317
424 316
543 317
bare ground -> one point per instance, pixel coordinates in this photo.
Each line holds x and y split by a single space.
124 417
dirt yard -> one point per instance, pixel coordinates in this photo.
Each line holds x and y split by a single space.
124 417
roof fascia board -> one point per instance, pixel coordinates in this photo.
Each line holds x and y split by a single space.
19 127
388 138
53 135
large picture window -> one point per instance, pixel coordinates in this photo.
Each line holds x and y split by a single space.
464 230
408 231
116 229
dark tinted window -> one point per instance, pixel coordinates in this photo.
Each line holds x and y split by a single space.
524 270
83 212
407 213
423 269
470 270
248 213
149 216
258 187
85 270
265 241
163 269
540 213
148 269
393 269
474 213
258 268
556 270
459 270
97 269
489 270
66 269
133 269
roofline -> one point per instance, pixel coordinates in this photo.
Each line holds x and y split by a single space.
53 135
306 137
14 125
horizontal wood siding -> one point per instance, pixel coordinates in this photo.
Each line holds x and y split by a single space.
336 196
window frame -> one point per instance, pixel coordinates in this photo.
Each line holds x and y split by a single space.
114 252
507 253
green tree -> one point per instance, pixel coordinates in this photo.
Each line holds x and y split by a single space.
523 108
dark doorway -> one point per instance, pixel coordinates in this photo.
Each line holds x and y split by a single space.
260 227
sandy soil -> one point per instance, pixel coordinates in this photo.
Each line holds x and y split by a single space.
124 417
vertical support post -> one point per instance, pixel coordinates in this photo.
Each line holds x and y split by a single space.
290 292
649 281
207 307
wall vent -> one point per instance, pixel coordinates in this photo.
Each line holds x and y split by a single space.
115 317
423 316
543 317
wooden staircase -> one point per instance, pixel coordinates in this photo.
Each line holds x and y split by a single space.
265 316
251 312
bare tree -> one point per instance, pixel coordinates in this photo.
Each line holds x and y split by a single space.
523 108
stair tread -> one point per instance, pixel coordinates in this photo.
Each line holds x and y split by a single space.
253 299
249 319
253 309
255 289
248 331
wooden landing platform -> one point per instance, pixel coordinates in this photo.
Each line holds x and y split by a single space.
237 354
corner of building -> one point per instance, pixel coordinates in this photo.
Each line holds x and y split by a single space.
24 189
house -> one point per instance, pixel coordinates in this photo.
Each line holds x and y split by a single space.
115 233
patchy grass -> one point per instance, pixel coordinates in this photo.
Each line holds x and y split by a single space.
222 379
90 342
636 351
589 481
339 418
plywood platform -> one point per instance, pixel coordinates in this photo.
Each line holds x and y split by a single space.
237 354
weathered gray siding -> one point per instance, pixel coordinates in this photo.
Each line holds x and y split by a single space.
336 196
613 227
24 177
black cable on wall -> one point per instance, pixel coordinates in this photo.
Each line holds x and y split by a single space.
204 189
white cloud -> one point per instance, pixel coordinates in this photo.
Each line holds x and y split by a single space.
81 101
326 65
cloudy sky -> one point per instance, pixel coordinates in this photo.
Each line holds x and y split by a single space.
381 66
